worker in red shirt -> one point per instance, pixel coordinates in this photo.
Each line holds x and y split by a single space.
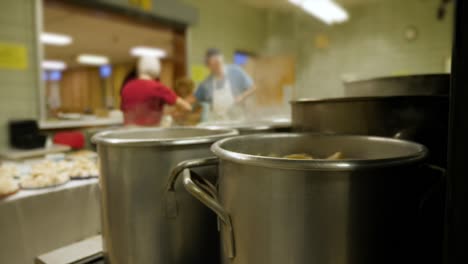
144 98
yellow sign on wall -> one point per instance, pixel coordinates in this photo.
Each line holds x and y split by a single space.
13 56
199 73
146 5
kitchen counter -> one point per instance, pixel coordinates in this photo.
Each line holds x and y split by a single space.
33 222
85 122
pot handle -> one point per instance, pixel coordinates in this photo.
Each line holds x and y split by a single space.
435 185
205 195
188 164
170 201
407 133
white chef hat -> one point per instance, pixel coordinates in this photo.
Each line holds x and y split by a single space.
149 65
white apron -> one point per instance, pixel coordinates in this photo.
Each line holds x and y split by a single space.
223 99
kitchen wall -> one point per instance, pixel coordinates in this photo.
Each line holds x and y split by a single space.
227 25
18 88
370 44
172 10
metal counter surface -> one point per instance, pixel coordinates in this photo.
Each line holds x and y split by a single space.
33 222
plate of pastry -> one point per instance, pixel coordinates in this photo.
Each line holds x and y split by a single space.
8 186
46 174
83 168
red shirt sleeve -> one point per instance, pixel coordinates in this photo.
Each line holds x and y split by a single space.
165 93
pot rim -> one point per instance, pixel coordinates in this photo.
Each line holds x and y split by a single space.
104 138
365 98
403 77
326 165
261 125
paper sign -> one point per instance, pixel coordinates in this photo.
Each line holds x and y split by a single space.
146 5
199 73
13 56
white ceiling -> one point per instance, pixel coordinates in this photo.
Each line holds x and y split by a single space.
96 33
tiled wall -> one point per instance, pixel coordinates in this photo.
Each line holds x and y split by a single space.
370 44
227 25
18 88
167 9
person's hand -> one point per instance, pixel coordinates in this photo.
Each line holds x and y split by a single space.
241 98
182 104
179 116
238 99
191 99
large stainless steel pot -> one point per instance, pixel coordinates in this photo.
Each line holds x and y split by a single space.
140 225
423 84
423 119
362 210
251 126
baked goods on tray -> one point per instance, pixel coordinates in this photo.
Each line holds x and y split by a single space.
10 170
83 168
43 179
83 154
46 174
8 186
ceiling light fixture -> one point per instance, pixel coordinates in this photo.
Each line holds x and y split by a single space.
141 51
54 65
326 11
56 39
91 59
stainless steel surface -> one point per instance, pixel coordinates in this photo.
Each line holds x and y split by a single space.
424 84
361 210
211 201
423 119
135 168
188 164
141 137
86 251
252 127
170 196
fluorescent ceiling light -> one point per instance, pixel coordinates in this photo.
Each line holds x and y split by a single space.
327 11
91 59
141 51
54 65
55 39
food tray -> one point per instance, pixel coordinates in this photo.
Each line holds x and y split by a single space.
42 188
3 196
85 177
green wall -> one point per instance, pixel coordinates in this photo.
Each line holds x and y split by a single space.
167 9
18 88
227 25
370 44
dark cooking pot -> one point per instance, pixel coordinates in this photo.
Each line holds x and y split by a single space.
423 119
424 84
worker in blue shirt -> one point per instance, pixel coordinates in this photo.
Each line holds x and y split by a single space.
225 89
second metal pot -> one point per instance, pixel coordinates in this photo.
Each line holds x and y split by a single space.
422 84
361 210
141 222
423 119
252 127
